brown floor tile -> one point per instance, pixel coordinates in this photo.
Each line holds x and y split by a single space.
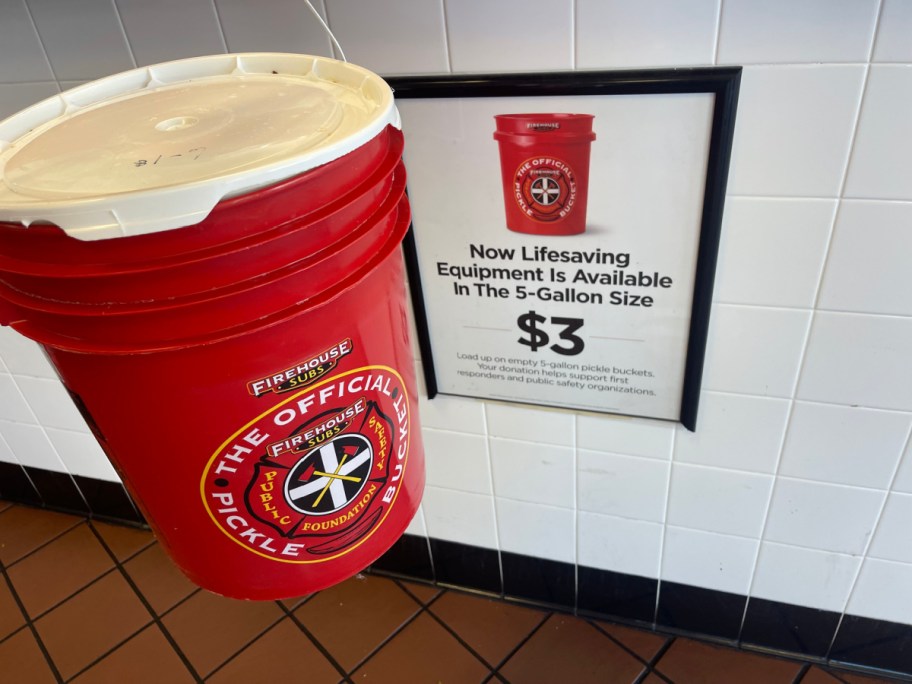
147 658
158 579
4 505
21 660
91 623
644 644
493 628
122 540
693 661
11 617
24 529
567 649
289 654
210 629
653 679
59 569
423 592
352 618
422 652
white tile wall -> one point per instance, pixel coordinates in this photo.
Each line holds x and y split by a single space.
812 471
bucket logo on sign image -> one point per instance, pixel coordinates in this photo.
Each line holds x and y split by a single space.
313 477
545 188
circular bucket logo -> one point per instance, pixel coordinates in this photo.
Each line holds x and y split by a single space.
313 477
545 188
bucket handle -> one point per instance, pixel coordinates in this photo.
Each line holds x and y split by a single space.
327 29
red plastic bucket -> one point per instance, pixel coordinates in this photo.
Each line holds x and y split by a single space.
544 160
249 375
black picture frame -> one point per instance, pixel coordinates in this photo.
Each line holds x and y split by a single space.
722 82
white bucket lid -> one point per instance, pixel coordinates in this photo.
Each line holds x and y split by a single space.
158 147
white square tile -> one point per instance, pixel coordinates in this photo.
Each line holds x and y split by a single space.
620 545
537 473
822 516
892 43
867 269
881 166
30 445
23 356
457 461
417 527
882 591
164 30
537 531
893 538
460 517
6 454
625 435
808 31
711 561
613 35
510 35
733 431
530 424
12 406
391 37
21 56
762 236
82 455
15 97
858 360
624 486
273 26
903 481
794 128
51 403
84 40
844 445
715 500
755 351
452 413
804 577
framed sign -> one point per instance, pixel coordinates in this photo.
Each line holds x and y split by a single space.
565 233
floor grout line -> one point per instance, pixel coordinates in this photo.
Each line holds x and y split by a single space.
29 624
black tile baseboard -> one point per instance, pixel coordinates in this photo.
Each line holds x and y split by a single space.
791 630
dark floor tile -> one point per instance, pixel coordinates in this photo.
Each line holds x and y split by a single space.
422 652
645 644
290 655
425 593
158 579
57 490
209 629
11 617
108 499
785 627
24 529
586 656
492 627
147 658
59 569
354 617
21 660
409 556
466 566
123 541
873 643
616 594
90 624
702 611
539 579
16 486
694 661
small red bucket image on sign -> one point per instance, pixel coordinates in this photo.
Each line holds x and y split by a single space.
545 171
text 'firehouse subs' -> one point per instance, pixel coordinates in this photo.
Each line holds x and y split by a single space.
308 480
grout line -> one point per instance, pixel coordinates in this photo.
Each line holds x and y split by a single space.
801 673
484 417
717 37
389 637
221 27
576 512
249 643
506 659
44 51
76 524
619 643
662 540
29 624
123 32
574 37
110 651
156 619
462 641
446 37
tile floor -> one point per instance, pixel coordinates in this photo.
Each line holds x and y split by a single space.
89 602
